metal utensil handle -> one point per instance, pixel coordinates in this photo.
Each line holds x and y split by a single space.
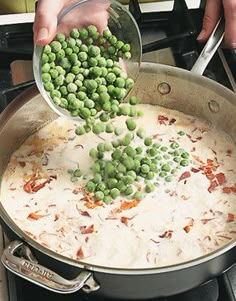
30 270
210 48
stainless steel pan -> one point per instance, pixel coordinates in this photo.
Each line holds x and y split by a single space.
158 85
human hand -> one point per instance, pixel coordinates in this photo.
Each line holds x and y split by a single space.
45 25
212 14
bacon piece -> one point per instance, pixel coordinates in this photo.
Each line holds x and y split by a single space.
162 119
195 170
30 234
125 205
113 213
84 213
230 218
184 176
206 220
22 164
166 234
80 253
35 216
220 178
41 185
212 186
189 225
31 185
187 229
92 205
87 229
56 217
172 121
124 220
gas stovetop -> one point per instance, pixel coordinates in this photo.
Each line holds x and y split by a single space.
169 37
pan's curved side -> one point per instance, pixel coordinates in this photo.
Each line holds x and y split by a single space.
157 84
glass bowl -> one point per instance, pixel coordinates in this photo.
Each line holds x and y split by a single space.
86 12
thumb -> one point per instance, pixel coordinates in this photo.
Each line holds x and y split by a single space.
45 23
211 17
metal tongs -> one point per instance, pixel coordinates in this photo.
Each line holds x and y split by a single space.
210 48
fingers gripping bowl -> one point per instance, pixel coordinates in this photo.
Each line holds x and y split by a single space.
85 52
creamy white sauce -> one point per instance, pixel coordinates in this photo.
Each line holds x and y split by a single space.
155 234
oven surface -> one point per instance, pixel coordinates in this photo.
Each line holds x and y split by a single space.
169 30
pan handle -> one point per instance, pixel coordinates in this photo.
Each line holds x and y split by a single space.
210 48
30 270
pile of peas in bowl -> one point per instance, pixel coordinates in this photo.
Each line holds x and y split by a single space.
85 72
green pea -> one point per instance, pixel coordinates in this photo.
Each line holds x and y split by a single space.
108 147
60 37
65 63
77 173
129 190
74 33
45 68
107 199
177 159
174 145
101 147
109 128
115 193
129 163
185 155
148 141
164 149
141 133
181 133
51 57
124 110
166 167
130 151
162 174
140 113
168 179
90 84
47 49
184 162
131 125
98 128
127 55
49 86
107 33
81 95
64 103
133 100
89 103
150 187
118 131
46 77
55 46
110 78
72 88
99 195
145 168
84 48
129 83
55 93
82 56
93 153
84 113
111 182
70 42
126 48
138 195
94 51
80 131
64 45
